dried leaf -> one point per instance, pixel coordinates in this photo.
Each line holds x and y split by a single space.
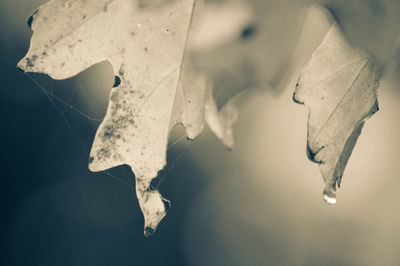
339 87
145 46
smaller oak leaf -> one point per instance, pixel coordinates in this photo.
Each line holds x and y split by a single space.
339 87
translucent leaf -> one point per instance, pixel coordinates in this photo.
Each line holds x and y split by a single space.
339 87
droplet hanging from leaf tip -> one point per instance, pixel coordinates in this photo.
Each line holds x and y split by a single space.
328 198
329 194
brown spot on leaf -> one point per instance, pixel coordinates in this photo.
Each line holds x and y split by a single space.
30 62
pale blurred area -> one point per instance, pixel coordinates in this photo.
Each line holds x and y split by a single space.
260 204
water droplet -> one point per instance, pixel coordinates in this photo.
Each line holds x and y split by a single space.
329 193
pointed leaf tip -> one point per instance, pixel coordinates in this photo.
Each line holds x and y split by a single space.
151 203
338 85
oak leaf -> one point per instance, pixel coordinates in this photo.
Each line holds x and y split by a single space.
339 87
145 45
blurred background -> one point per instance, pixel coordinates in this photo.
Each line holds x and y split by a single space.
259 204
